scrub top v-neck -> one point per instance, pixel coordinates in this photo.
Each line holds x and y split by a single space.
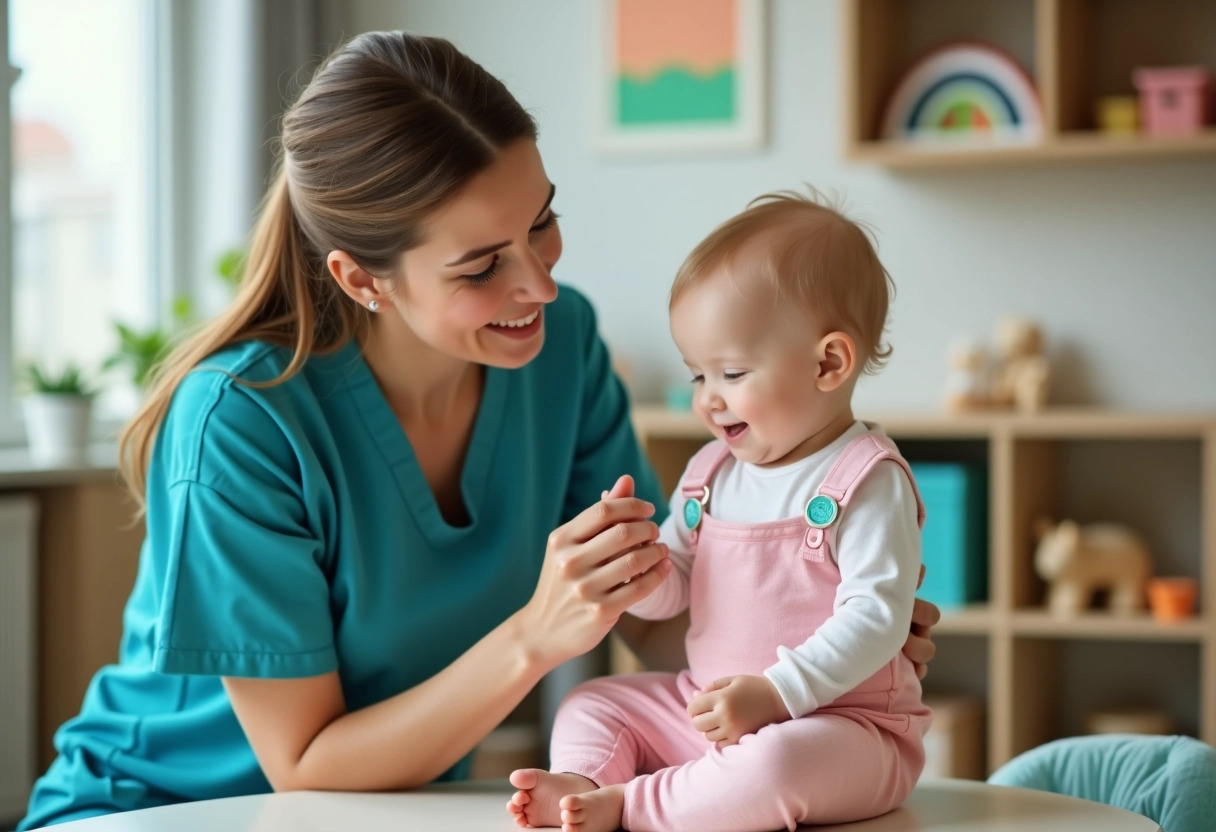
291 532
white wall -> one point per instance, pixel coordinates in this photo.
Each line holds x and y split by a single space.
1117 259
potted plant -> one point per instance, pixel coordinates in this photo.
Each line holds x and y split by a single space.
141 350
57 412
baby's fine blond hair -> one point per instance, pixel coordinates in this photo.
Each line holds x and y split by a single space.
813 256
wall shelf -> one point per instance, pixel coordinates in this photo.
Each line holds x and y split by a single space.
1158 469
1075 50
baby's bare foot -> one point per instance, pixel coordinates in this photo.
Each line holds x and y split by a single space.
595 811
535 804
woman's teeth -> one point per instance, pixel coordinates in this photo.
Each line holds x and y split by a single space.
518 322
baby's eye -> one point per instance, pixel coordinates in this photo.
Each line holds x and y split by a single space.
698 379
734 375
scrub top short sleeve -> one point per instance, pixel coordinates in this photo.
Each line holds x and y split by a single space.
245 593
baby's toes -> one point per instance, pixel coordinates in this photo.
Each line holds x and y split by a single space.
573 817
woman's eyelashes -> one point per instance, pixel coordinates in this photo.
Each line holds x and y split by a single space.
547 223
488 273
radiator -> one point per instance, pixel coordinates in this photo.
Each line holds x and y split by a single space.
18 594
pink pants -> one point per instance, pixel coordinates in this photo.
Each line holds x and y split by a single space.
832 766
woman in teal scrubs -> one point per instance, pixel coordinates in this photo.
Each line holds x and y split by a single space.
374 487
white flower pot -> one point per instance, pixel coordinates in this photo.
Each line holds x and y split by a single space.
57 427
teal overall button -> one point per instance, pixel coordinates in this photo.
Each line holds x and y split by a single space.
821 511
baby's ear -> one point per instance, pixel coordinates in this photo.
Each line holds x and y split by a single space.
837 357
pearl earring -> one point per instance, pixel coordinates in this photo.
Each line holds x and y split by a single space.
374 305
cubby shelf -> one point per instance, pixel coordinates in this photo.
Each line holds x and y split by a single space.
1075 51
1156 470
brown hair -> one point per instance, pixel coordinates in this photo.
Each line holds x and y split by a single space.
817 259
390 127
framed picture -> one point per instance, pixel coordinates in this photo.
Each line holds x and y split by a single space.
680 75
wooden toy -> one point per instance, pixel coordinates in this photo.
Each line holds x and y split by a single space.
1173 100
1021 374
1075 560
965 91
967 377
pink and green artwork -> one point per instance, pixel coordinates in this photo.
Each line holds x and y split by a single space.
681 74
671 71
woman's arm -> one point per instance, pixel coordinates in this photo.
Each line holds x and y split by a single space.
304 738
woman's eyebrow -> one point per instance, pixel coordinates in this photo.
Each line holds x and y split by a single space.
477 253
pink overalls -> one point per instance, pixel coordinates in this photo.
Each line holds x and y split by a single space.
754 587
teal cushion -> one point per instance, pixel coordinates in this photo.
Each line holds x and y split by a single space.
1171 780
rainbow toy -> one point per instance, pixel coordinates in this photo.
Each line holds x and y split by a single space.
965 92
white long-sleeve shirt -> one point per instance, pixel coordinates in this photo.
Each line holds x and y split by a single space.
877 551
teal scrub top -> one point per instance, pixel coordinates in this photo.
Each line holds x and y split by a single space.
290 532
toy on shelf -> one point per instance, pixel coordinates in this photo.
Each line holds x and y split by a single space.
1075 560
1173 100
1016 376
965 91
1118 115
967 379
1021 374
1172 599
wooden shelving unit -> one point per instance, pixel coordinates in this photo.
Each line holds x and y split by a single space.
1075 50
1156 472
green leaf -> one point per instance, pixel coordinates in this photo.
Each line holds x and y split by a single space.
231 266
70 380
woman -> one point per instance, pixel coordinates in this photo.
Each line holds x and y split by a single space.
352 477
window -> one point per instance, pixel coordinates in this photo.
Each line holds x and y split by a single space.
82 120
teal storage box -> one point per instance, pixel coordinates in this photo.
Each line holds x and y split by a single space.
954 540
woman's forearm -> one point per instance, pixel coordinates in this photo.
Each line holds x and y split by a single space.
415 736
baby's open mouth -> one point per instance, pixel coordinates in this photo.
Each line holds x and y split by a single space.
736 429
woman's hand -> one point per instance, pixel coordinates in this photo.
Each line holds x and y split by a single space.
920 647
596 566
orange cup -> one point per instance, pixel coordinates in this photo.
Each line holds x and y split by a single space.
1172 599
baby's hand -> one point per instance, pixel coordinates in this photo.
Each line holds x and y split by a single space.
735 706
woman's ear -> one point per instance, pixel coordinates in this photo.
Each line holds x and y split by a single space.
358 284
836 355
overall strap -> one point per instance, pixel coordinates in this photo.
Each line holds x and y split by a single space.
846 476
695 485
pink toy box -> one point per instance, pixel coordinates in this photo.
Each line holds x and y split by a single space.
1173 100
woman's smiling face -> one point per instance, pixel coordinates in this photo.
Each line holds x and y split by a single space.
476 287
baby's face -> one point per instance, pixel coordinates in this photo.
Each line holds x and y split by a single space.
754 369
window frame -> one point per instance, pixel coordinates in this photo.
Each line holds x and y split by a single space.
159 23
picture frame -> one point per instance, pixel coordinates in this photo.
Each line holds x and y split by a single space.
679 76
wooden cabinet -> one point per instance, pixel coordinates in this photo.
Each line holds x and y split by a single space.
1041 675
88 551
1075 50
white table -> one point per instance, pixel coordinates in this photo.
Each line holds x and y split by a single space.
935 806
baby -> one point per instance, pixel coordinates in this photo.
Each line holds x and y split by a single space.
795 535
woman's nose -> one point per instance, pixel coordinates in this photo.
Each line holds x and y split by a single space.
538 283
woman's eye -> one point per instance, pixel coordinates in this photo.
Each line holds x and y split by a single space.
547 223
484 276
